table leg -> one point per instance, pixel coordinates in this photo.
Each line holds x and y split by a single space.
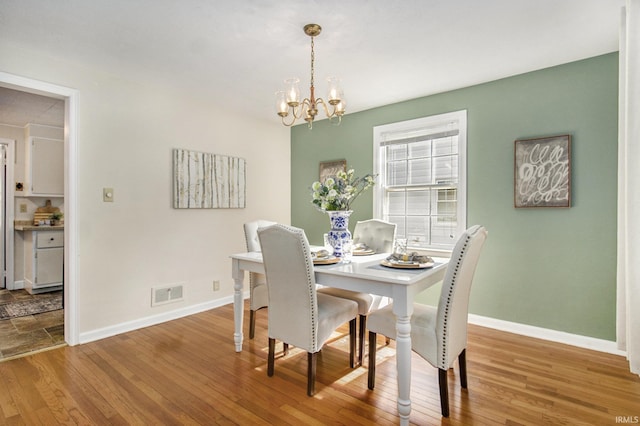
238 304
403 366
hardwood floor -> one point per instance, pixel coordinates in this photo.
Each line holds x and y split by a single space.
186 372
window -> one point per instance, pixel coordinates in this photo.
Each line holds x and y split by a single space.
421 185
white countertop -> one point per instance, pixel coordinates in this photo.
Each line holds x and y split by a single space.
38 228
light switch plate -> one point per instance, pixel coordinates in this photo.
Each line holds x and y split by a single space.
107 195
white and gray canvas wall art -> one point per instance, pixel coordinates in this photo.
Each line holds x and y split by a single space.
208 181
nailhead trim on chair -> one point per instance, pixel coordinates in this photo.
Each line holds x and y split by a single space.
446 307
311 284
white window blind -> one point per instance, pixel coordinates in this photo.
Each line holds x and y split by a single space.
421 186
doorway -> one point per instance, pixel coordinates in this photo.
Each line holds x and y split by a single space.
70 97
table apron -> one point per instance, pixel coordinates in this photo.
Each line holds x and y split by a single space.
380 288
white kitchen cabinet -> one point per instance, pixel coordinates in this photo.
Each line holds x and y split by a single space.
44 167
44 261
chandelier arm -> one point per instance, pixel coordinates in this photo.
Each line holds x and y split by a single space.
326 108
296 110
293 120
305 105
335 119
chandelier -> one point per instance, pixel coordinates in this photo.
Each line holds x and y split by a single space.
288 101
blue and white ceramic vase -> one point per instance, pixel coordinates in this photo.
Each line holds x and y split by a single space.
339 229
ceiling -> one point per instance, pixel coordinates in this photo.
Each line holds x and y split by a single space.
238 52
19 108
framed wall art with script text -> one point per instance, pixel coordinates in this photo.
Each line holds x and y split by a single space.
542 174
331 168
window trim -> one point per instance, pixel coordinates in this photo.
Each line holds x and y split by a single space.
421 126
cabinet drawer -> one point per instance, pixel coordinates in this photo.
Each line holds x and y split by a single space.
45 239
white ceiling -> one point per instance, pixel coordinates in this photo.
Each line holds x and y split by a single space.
385 51
19 108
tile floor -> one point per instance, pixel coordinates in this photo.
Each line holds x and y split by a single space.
30 333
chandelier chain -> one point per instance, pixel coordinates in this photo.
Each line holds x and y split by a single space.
313 59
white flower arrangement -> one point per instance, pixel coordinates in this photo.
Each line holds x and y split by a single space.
338 193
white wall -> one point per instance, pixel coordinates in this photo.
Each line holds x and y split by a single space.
126 132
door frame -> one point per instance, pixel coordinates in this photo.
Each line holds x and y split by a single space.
10 212
70 96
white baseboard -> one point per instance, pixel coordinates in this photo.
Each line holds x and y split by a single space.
17 285
124 327
508 326
547 334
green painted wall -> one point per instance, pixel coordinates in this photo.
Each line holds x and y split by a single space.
551 268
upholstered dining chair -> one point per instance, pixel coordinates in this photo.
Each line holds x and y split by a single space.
379 236
298 315
438 335
258 297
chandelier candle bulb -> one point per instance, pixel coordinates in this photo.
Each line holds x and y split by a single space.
281 104
334 90
293 92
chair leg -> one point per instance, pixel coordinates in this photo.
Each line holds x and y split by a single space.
361 331
444 392
372 360
285 348
462 361
311 373
272 356
252 323
352 343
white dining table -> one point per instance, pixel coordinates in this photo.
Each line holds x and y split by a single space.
363 274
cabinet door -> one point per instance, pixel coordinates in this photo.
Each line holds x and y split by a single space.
49 264
47 166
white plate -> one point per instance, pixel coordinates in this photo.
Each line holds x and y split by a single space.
400 264
364 252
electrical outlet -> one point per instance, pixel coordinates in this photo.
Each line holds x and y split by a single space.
23 208
216 285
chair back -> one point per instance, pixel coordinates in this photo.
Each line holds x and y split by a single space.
258 294
376 234
293 305
453 307
251 233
